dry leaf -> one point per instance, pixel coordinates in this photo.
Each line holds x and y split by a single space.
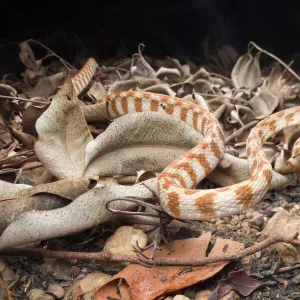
83 213
263 104
86 287
126 85
122 242
27 139
27 56
149 283
125 148
19 198
238 281
252 73
63 135
47 86
167 72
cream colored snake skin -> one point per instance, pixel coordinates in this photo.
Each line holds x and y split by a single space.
175 184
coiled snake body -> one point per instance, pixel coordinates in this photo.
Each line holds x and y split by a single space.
175 184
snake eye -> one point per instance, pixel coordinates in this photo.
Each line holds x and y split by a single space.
163 106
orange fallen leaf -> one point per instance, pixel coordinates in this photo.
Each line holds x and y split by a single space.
149 283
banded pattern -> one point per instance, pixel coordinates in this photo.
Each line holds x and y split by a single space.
84 76
177 180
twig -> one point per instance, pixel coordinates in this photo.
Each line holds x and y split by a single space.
276 58
48 49
221 76
242 129
288 268
218 97
18 154
105 256
23 99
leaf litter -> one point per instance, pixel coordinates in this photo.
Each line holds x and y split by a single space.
72 160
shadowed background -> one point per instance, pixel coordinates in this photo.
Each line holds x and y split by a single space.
175 28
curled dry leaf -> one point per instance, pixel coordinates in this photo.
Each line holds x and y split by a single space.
238 71
27 56
252 73
63 135
200 74
168 73
97 91
86 287
10 189
30 115
237 170
126 85
143 68
122 242
46 86
19 199
85 212
150 283
126 147
161 89
238 281
263 104
25 138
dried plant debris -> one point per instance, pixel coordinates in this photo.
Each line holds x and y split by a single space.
62 161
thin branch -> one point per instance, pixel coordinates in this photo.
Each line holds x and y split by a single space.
48 49
288 268
242 129
105 256
276 58
23 99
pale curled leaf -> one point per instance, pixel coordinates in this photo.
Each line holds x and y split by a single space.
167 72
85 212
27 139
238 71
126 85
122 242
41 197
238 171
252 73
97 91
143 68
27 57
139 141
263 104
63 135
161 89
47 86
11 190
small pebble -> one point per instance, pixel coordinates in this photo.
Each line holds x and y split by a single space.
249 214
226 220
234 220
242 217
258 220
219 222
246 228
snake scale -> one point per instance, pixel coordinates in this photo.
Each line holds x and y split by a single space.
175 184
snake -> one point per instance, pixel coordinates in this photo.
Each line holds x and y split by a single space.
176 183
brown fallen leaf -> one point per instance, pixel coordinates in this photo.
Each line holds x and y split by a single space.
238 281
150 283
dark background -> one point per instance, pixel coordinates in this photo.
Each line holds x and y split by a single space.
175 28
